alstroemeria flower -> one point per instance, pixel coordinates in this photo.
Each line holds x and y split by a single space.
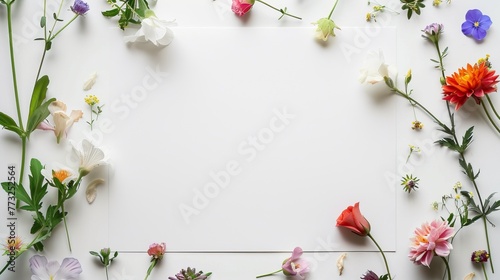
476 24
241 7
70 269
295 265
431 239
62 122
89 157
153 30
375 69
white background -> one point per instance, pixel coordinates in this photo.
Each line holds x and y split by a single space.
95 43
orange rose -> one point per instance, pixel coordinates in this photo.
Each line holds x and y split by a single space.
351 218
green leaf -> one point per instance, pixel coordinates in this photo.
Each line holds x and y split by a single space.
38 189
21 195
111 13
39 115
39 94
43 21
10 124
467 138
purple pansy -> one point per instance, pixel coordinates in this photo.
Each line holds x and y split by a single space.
476 24
80 8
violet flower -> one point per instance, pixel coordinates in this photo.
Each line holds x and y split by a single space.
80 8
45 270
476 24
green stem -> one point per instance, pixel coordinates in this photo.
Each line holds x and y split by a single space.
492 106
269 274
66 226
383 255
484 271
279 10
489 117
13 65
447 267
106 268
62 28
333 9
151 266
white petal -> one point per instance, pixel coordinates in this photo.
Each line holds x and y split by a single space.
60 123
340 263
57 106
38 266
91 191
90 82
70 269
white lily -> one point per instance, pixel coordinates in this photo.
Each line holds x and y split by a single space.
62 122
375 69
89 157
153 30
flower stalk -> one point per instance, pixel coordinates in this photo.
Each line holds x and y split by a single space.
383 255
447 265
282 11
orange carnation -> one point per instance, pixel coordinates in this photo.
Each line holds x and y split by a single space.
473 81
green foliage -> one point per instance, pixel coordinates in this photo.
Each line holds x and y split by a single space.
128 11
412 6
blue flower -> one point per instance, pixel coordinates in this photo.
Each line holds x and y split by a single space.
80 7
476 24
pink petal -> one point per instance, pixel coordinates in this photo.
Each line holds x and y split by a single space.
70 269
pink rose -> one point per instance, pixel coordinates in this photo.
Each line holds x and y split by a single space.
241 7
157 250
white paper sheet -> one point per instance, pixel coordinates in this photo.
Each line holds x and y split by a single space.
253 145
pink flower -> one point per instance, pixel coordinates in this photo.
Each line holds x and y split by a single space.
241 7
157 250
351 218
295 265
431 239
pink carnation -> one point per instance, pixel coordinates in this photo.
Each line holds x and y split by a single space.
157 250
431 239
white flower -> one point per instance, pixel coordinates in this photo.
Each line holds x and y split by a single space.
62 122
89 157
154 30
375 69
43 270
62 173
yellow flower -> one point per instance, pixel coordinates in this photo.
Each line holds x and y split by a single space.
91 99
417 125
368 16
436 2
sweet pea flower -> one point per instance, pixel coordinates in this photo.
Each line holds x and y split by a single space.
292 266
476 24
62 122
80 8
88 156
241 7
295 265
153 30
375 69
43 270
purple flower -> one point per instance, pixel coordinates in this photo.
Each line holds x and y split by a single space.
433 32
480 256
476 24
80 8
369 275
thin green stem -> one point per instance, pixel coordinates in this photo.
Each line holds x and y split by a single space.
484 271
62 28
333 9
492 106
269 274
13 65
66 226
383 255
106 268
279 10
489 116
447 267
